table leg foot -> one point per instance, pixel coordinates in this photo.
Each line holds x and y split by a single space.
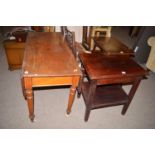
79 88
67 115
125 108
68 112
87 113
32 118
123 111
78 94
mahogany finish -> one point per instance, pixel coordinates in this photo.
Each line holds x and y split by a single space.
112 46
106 74
48 61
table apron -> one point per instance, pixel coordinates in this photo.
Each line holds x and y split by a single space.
117 80
51 81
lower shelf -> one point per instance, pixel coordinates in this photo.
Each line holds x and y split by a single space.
105 96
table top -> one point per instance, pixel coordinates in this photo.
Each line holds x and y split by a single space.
13 44
48 54
112 46
100 66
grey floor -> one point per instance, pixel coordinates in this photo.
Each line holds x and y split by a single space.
50 106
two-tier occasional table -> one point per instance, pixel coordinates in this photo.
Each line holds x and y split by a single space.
106 76
112 46
48 61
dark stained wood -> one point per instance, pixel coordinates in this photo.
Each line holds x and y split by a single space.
80 49
48 61
105 95
86 39
91 95
63 30
100 66
112 46
37 28
131 95
70 38
106 74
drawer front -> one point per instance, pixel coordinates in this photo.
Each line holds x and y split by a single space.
51 81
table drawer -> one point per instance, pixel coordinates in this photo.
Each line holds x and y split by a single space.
54 81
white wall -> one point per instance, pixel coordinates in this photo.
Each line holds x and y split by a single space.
76 29
78 32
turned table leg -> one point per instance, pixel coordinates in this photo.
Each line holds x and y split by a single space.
71 99
30 103
23 89
29 96
75 82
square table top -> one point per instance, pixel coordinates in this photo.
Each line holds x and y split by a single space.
112 46
100 66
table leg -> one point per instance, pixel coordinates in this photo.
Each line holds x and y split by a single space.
28 93
131 95
22 83
94 46
87 113
71 98
91 94
75 82
30 103
79 87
